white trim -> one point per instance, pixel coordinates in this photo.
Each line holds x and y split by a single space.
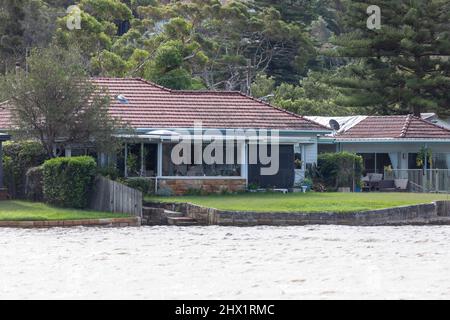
201 178
159 161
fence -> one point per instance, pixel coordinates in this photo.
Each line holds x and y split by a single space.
430 180
115 197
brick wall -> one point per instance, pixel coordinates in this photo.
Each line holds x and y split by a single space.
4 194
182 186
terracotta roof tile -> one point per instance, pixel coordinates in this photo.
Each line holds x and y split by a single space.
395 127
152 106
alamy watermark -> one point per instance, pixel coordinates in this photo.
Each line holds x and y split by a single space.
74 18
374 20
221 147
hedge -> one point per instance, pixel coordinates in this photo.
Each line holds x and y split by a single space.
68 181
146 186
34 184
18 157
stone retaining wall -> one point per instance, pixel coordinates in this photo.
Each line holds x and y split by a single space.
183 186
112 222
433 213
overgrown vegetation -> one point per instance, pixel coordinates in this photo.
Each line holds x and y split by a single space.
338 170
314 57
56 104
18 157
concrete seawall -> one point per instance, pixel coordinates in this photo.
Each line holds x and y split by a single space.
423 214
110 222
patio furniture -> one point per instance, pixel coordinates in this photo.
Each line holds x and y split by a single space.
401 184
386 186
372 181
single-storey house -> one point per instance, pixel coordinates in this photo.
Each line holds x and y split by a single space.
393 142
161 117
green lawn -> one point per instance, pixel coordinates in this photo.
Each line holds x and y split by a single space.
27 211
306 202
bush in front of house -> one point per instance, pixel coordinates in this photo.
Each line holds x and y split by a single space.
68 181
34 184
146 186
336 170
18 157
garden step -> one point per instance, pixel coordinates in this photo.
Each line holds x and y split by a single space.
181 221
170 213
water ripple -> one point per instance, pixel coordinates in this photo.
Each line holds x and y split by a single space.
322 262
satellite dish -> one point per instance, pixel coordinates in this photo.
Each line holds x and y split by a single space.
334 125
122 99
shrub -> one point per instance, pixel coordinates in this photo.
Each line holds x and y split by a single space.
147 186
68 181
110 172
337 170
19 156
34 184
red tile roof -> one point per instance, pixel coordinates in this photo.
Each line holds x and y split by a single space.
153 106
5 116
395 127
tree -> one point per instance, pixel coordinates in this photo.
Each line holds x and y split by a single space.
402 67
57 104
11 32
311 96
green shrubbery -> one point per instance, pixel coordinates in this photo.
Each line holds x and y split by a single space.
18 157
146 186
335 170
68 181
34 188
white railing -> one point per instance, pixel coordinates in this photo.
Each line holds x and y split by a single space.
430 180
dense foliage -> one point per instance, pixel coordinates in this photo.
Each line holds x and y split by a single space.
146 186
313 57
18 157
69 181
402 67
56 103
34 187
337 170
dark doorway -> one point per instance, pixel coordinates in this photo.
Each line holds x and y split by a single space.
285 176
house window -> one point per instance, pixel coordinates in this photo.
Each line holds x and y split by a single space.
412 161
190 169
375 162
441 161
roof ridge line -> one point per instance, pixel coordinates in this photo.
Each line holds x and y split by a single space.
432 123
152 83
406 126
283 110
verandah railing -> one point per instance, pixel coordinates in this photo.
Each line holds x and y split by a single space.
430 180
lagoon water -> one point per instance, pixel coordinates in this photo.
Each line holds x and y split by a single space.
323 262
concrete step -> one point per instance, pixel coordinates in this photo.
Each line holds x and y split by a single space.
151 210
169 213
181 221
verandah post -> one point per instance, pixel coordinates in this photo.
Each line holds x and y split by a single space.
125 172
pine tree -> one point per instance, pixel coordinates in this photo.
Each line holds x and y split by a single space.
402 67
11 32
